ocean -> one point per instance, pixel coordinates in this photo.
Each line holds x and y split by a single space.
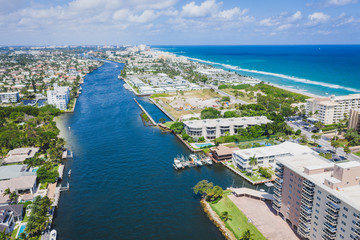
318 69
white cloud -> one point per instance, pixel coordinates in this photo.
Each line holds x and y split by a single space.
295 17
317 18
231 13
340 2
284 27
202 10
268 22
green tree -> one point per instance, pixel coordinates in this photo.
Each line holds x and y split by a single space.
335 144
202 187
246 235
315 137
177 127
225 216
347 150
210 113
162 120
253 161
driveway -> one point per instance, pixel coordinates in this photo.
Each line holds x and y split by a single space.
264 218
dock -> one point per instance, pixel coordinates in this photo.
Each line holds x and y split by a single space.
143 109
193 161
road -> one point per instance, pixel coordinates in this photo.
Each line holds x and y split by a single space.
325 144
232 98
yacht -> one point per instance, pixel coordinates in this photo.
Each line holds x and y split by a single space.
177 164
53 234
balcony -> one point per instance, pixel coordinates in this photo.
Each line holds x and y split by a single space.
329 235
357 224
308 191
306 221
331 220
333 206
357 232
279 169
331 213
326 237
307 203
278 181
305 215
306 209
308 184
277 198
278 186
307 196
277 192
279 165
358 217
278 174
333 199
330 227
303 231
276 208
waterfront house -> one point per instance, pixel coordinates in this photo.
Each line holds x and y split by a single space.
13 171
19 155
222 153
21 185
9 215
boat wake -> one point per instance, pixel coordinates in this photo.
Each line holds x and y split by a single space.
295 79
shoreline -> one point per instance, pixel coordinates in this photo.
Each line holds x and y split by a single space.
303 92
212 215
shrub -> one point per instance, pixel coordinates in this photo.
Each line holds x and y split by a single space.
185 136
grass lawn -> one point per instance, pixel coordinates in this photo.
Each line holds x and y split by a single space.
357 154
254 176
26 218
343 142
168 124
238 223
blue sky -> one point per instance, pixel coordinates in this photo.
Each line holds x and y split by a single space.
175 22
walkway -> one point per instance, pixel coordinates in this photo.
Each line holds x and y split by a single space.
264 218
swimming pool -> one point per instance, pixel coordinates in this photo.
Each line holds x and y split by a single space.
21 230
200 145
35 170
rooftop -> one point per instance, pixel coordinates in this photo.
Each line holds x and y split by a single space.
350 195
276 150
227 122
14 171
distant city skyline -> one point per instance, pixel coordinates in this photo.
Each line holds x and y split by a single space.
174 22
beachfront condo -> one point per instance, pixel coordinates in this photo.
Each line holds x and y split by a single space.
318 198
214 128
332 109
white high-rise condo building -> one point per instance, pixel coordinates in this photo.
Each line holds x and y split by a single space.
7 97
59 97
333 109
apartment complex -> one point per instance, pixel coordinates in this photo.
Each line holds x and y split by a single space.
8 97
266 155
320 199
59 97
354 120
214 128
333 109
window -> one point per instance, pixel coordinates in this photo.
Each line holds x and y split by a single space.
316 217
319 192
344 223
346 209
344 215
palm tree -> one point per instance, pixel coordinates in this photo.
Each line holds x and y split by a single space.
253 161
335 144
246 235
315 137
6 192
225 216
347 150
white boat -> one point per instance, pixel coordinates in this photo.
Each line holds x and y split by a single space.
193 157
69 172
53 234
177 164
199 163
208 161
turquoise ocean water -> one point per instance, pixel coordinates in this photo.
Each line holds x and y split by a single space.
318 69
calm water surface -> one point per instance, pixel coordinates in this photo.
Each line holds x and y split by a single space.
123 185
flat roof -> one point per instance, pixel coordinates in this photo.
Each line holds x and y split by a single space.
275 150
350 195
227 121
13 171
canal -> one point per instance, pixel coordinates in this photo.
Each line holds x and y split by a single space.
123 185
